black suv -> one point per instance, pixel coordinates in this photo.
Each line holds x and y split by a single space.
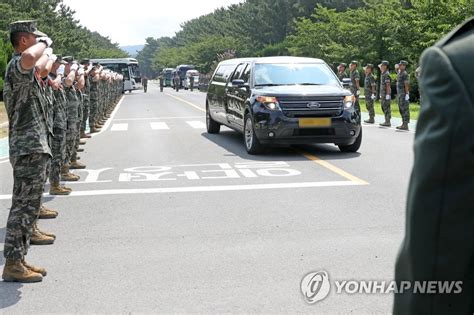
282 100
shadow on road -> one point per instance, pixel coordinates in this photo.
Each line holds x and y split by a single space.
233 142
10 293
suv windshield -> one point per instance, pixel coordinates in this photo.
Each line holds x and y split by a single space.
294 74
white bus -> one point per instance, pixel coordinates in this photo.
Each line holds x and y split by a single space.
128 67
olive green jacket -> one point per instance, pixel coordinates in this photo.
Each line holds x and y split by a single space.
439 239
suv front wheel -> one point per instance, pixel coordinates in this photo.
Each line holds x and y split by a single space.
252 145
353 147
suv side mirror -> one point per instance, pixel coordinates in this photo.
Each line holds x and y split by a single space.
346 83
238 83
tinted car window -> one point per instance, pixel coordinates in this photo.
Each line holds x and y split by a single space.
223 73
238 71
246 74
293 74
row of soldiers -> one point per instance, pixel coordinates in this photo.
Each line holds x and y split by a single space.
370 91
49 100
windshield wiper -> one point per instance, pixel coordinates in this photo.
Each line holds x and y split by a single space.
309 84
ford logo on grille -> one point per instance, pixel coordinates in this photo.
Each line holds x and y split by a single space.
313 105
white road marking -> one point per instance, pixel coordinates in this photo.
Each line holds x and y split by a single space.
196 124
159 118
165 190
108 122
119 127
159 125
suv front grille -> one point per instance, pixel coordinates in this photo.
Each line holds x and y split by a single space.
324 106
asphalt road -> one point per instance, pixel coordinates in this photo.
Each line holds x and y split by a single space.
167 218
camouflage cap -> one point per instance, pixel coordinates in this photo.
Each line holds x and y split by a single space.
384 63
369 65
354 62
403 62
68 59
26 27
84 61
343 64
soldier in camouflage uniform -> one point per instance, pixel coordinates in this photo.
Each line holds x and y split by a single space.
29 143
385 92
403 95
369 91
59 129
86 96
341 71
94 98
72 110
355 83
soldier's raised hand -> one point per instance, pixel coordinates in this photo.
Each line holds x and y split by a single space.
48 41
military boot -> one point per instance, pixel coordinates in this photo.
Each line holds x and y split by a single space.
371 120
56 189
39 270
95 130
75 165
46 213
386 124
41 238
403 126
82 142
84 134
68 176
15 271
66 188
79 150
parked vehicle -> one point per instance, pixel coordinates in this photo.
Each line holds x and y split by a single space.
191 75
167 77
128 67
282 100
182 69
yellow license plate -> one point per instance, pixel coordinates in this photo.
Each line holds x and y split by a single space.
314 122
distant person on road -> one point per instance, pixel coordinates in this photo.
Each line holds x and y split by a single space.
191 83
403 94
177 82
162 83
341 71
439 236
369 91
385 92
145 83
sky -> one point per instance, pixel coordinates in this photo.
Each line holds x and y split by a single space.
130 22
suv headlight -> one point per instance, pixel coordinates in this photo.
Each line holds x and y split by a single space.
269 102
349 101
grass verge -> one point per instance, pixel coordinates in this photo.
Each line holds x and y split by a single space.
414 109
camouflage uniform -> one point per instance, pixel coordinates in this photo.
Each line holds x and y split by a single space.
403 105
30 152
369 84
354 77
94 103
59 130
342 75
386 108
86 102
72 109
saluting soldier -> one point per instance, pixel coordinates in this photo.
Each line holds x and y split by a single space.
370 91
403 94
385 92
29 142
